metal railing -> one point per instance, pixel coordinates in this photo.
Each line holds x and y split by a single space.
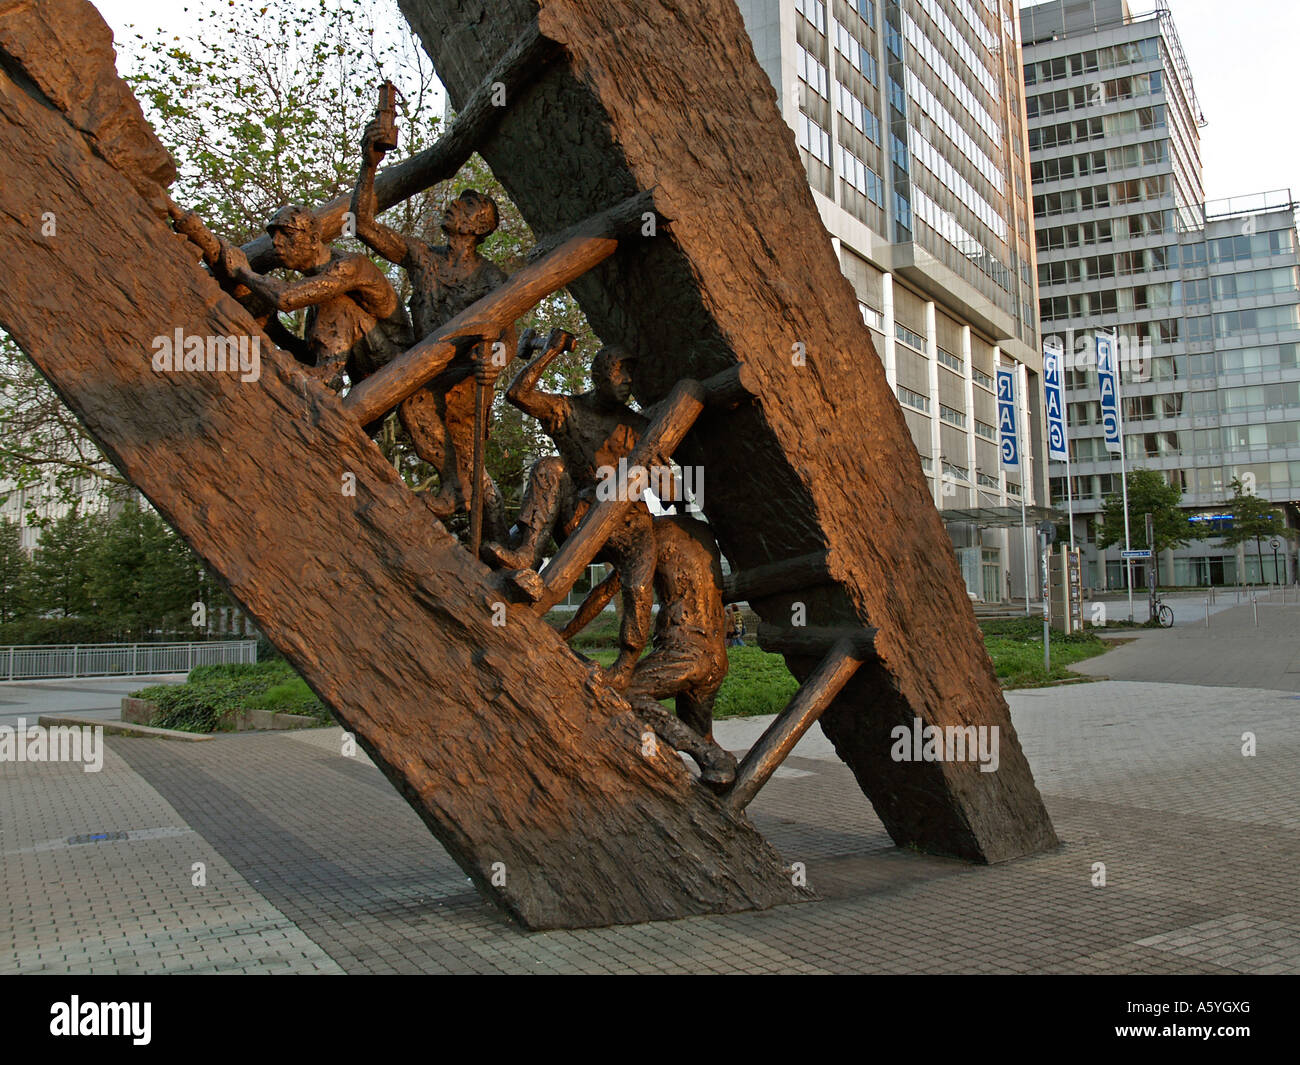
38 662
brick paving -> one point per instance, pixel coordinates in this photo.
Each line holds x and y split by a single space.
314 864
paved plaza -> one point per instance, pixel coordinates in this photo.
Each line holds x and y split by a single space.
272 852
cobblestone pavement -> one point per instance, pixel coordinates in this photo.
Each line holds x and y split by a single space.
313 863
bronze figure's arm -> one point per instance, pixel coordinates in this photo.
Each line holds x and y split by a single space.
523 392
382 239
337 279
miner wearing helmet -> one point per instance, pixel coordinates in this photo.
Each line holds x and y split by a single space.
355 322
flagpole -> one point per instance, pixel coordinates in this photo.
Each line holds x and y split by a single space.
1123 465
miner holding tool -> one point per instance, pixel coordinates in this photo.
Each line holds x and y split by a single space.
446 421
591 431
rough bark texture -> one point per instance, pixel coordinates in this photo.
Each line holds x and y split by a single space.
667 95
497 736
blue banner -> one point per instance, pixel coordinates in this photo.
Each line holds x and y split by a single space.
1054 394
1108 378
1010 443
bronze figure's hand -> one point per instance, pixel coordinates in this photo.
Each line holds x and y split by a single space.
371 151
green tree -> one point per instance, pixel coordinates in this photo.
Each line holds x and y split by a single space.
1148 493
1253 518
62 564
143 577
265 106
15 572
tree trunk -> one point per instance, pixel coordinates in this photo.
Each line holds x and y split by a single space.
668 96
524 766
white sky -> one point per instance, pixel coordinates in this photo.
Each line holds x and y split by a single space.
1242 56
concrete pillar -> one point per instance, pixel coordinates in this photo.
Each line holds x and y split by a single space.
887 324
968 391
936 440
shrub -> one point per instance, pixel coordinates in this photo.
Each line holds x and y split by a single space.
211 694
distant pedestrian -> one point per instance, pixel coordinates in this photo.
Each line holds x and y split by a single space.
735 627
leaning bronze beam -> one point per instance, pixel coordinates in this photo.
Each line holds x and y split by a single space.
809 703
526 57
788 575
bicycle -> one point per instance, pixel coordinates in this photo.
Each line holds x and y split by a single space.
1164 614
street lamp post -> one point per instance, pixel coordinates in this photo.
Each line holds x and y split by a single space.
1275 545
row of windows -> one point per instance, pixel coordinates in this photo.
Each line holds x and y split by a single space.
929 103
908 337
859 114
855 52
981 378
1170 293
814 11
1099 267
1068 167
861 177
988 432
1267 357
1118 194
1097 94
814 139
1252 360
1173 442
1091 61
1126 123
1241 286
1214 481
1048 204
1255 320
1246 246
952 416
913 399
946 226
812 72
950 360
964 96
929 157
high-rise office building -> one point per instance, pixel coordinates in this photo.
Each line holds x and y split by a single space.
1204 298
909 118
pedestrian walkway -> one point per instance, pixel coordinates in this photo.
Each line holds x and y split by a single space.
313 863
97 697
1248 646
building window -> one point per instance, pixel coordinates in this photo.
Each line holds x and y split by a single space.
914 340
913 399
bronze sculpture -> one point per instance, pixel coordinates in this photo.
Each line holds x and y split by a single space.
355 322
592 432
441 421
514 753
689 657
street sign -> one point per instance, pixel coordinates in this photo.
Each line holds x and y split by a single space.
1135 554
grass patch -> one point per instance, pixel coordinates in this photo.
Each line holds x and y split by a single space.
211 694
1016 647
